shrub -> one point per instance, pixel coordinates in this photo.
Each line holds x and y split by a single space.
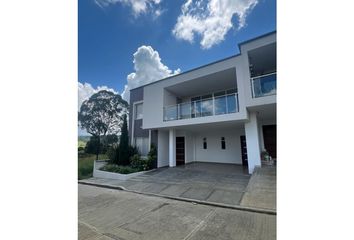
119 169
152 156
112 154
142 164
132 151
135 161
265 155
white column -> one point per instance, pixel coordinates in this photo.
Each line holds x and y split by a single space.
172 148
253 142
149 140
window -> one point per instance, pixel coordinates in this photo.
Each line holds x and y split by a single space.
205 143
139 111
142 144
223 145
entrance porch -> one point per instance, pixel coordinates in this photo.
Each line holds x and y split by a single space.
232 142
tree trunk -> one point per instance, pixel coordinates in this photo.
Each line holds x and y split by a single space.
98 147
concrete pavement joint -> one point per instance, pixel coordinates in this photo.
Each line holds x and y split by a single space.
199 226
235 207
94 229
210 194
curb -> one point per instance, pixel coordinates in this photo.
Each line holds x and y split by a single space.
222 205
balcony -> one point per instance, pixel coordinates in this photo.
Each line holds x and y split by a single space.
216 105
264 85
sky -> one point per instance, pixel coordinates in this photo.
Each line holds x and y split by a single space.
123 44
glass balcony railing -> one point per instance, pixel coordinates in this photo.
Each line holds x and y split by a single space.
264 85
207 107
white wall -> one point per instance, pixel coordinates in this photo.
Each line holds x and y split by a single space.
169 98
162 148
214 153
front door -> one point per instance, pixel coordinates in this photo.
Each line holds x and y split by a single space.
270 139
180 151
244 150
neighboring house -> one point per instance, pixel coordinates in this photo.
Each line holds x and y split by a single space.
223 112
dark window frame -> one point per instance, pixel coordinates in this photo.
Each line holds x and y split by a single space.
205 144
223 143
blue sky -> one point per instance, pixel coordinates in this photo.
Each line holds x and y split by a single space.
111 31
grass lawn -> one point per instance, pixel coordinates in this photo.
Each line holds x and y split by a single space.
85 164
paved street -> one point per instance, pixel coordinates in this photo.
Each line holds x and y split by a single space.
114 214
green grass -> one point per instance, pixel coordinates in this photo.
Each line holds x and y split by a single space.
119 169
85 164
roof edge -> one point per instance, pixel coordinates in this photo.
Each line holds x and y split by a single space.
227 58
255 38
191 70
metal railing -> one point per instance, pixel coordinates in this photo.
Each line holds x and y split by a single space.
264 85
219 105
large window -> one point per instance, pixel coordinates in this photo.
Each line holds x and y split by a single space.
139 111
142 144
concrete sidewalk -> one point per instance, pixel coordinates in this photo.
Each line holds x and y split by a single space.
111 214
261 189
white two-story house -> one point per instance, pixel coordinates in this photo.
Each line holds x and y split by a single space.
223 112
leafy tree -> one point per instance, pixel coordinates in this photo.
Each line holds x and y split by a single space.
102 114
108 142
110 139
92 146
123 149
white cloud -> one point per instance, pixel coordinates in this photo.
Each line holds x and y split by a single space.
148 68
138 6
86 91
211 19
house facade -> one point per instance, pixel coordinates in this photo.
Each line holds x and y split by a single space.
223 112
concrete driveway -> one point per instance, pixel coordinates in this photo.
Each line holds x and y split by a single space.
210 182
112 214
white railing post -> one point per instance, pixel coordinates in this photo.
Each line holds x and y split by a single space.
252 88
213 105
236 98
178 110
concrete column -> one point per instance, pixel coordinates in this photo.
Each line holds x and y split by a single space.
172 148
149 140
253 142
